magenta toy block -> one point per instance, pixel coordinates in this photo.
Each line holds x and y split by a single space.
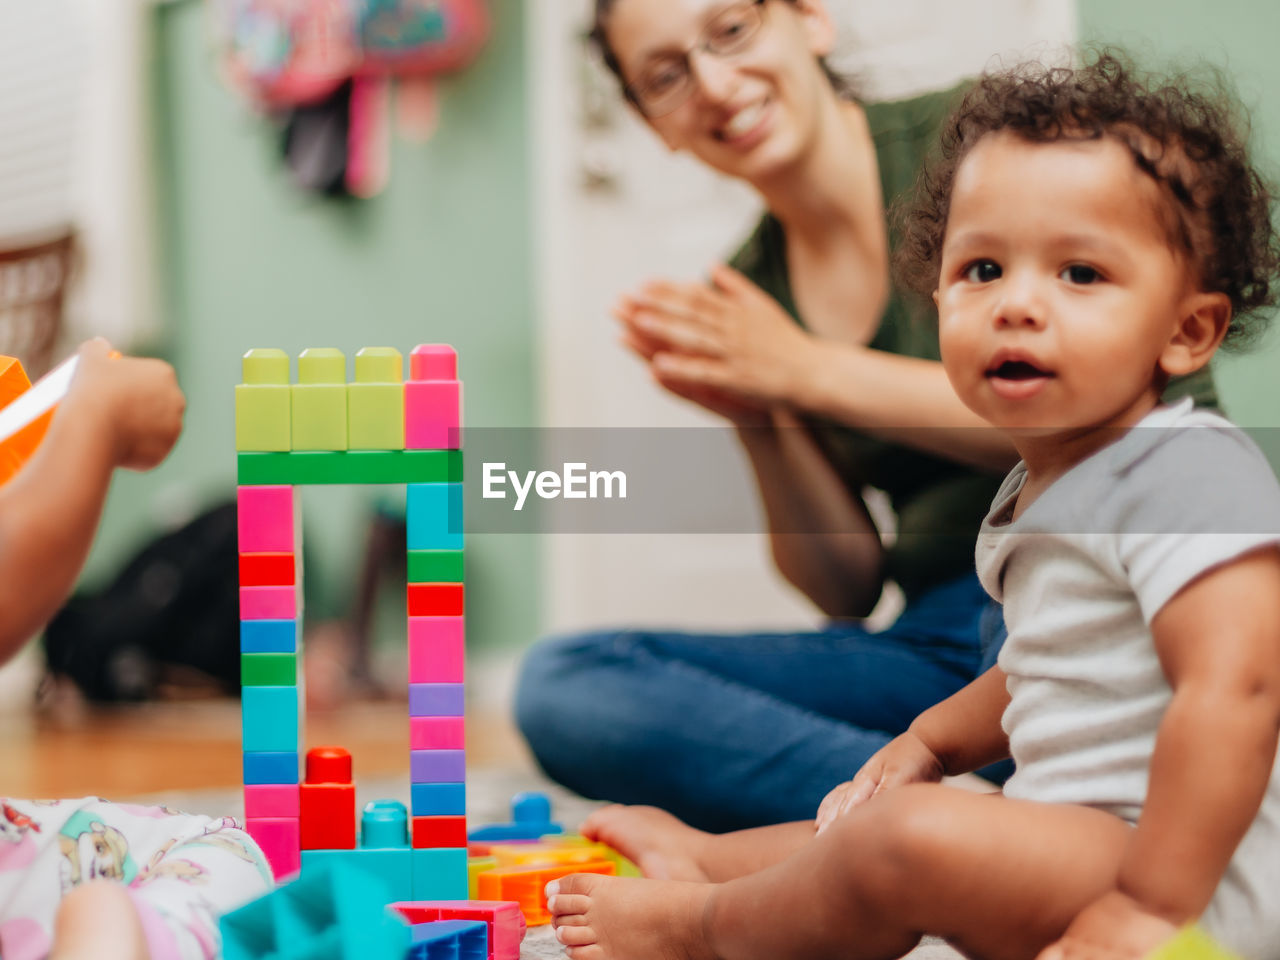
437 766
271 800
280 840
265 519
504 919
436 699
432 399
436 733
437 649
268 603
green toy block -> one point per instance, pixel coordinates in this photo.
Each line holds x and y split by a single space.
263 401
268 669
435 566
320 401
440 874
355 467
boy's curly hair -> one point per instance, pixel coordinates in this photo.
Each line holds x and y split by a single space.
1190 137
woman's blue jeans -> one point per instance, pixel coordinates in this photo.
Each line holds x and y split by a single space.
736 731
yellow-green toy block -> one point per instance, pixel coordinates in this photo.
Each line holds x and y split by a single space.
320 400
263 402
375 401
1191 943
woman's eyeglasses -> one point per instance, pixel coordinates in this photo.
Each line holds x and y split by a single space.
667 81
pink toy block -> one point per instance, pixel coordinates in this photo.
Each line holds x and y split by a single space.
273 800
505 921
437 733
433 399
280 839
268 603
265 518
437 649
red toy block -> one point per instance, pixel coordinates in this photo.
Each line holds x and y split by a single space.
436 600
271 800
328 765
437 733
268 603
328 816
433 399
278 838
505 921
267 570
265 518
437 649
432 833
527 885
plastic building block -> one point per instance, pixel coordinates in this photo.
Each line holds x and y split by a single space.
26 428
394 868
269 719
320 401
268 636
433 399
437 649
312 467
436 599
531 820
384 824
328 799
267 570
1190 943
271 800
273 767
475 867
268 603
263 401
250 932
437 733
278 838
439 832
437 766
268 669
265 518
440 874
449 940
504 920
435 566
433 516
438 799
329 765
435 699
625 867
549 853
526 885
375 401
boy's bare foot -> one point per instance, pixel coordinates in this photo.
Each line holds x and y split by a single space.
98 920
662 846
622 918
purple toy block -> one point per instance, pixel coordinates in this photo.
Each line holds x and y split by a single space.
436 733
436 700
437 766
268 603
280 840
437 649
265 519
274 800
432 399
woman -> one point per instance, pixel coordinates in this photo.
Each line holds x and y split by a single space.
834 383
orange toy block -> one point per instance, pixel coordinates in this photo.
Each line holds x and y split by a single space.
15 450
431 833
526 885
546 854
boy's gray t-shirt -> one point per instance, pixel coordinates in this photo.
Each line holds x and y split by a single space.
1081 573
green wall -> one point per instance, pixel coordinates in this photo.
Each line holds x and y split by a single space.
443 255
1242 36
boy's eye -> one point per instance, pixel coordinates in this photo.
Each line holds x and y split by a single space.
1079 273
982 271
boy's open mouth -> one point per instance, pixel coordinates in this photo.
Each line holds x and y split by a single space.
1017 370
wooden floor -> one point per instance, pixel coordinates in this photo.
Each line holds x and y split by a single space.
126 751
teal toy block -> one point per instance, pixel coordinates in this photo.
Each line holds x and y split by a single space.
250 932
269 719
393 867
312 467
319 398
263 402
433 516
435 566
375 401
440 874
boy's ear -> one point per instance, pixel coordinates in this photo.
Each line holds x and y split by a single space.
935 299
818 26
1205 318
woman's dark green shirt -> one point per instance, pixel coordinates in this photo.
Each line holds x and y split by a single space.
939 503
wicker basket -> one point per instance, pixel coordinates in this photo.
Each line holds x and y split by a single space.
33 281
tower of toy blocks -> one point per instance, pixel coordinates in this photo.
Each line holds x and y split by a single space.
377 429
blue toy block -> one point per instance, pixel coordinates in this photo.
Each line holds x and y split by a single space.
268 636
438 799
271 767
530 806
394 868
440 874
269 718
531 819
433 516
450 940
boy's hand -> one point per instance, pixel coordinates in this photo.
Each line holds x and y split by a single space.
1113 927
135 401
904 759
